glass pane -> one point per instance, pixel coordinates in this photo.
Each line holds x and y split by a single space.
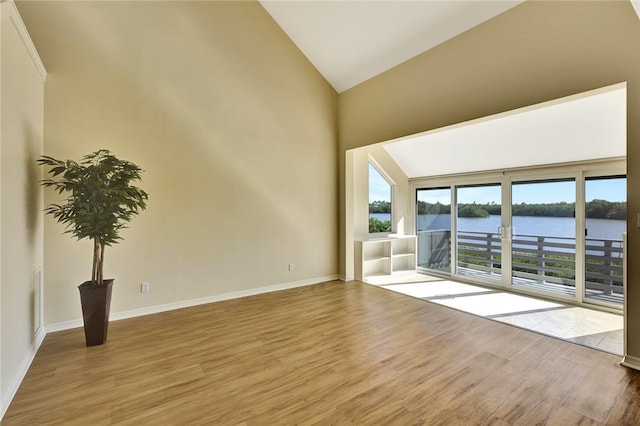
434 229
606 211
478 220
379 202
544 240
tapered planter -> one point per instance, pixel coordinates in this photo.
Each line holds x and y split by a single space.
96 303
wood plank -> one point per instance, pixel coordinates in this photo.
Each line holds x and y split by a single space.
332 353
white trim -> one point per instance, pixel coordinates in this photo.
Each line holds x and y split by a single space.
38 310
9 7
65 325
22 371
636 6
590 168
631 362
194 302
382 171
392 193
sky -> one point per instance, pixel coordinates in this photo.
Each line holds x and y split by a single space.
610 190
379 188
531 193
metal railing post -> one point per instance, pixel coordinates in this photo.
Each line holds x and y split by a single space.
541 256
490 251
607 269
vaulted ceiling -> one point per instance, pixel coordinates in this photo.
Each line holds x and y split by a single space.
352 41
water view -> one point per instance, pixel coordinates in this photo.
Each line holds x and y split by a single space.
527 225
542 251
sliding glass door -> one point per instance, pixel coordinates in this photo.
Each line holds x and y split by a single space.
557 237
434 229
605 213
543 236
478 242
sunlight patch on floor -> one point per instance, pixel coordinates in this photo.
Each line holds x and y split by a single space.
495 304
588 327
437 289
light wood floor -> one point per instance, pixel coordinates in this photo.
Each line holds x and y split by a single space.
333 353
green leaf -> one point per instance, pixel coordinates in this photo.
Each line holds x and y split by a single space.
100 195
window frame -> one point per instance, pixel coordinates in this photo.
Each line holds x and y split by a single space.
392 189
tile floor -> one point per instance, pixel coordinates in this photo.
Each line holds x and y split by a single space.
588 327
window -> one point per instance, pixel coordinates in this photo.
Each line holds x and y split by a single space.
379 202
605 223
433 222
553 231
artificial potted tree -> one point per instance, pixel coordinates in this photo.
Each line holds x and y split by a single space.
101 200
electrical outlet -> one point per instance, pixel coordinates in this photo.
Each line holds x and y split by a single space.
292 267
144 287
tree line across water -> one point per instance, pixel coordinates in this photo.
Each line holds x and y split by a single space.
596 209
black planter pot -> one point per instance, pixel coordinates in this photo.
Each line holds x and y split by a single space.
96 303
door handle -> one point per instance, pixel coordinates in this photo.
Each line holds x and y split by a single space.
506 232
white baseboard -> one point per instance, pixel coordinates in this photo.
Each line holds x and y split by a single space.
115 316
631 362
65 325
22 371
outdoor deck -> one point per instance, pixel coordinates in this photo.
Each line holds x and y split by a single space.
540 263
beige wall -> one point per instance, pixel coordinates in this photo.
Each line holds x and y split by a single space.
537 51
236 130
21 124
232 123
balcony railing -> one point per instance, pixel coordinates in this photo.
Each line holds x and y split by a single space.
540 261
